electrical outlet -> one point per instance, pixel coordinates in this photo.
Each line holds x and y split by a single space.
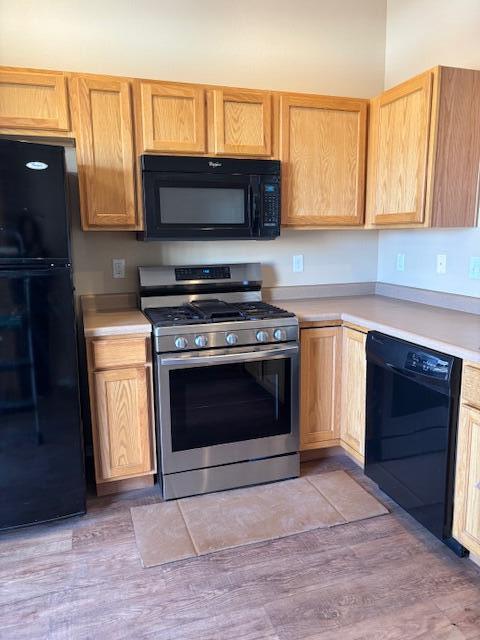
441 263
297 263
400 262
474 270
118 267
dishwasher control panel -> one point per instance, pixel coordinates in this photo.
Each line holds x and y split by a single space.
427 364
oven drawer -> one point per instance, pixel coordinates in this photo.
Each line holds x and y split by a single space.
120 352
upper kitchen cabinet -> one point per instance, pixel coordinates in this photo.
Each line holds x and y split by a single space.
424 152
240 122
32 100
103 128
323 148
171 117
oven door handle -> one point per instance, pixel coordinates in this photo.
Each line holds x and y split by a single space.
189 359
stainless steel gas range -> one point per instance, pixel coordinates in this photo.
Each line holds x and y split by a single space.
226 378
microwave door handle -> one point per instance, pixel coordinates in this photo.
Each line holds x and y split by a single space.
254 192
251 206
192 360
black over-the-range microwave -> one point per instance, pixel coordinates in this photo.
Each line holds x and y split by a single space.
194 198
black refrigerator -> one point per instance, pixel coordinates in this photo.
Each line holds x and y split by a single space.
42 474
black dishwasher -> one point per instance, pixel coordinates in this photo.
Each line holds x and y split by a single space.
411 429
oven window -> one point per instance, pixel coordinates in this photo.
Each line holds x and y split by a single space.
229 403
202 205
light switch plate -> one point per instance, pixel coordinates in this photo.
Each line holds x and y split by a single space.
400 262
118 267
297 263
441 263
474 270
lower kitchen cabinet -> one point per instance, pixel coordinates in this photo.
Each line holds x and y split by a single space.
333 389
466 519
353 392
319 397
121 408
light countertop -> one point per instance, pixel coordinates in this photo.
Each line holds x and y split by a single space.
114 323
452 332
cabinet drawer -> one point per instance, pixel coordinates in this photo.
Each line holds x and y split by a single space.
471 386
119 353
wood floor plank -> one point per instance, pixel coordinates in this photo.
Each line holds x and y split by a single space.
336 581
33 543
41 576
251 624
463 610
302 615
412 623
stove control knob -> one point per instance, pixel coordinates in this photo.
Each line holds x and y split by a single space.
181 343
280 334
231 338
262 336
201 341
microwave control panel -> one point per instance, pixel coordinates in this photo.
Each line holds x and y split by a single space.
271 204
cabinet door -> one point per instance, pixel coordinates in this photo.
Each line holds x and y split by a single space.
172 117
354 378
103 125
466 520
323 160
320 370
242 122
30 100
398 153
123 423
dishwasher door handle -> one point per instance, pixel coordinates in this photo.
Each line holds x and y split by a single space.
422 379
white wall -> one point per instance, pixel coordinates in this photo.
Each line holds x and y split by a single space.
328 46
421 248
328 257
424 33
331 46
421 34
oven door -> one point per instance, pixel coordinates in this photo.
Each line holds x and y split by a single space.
199 206
222 406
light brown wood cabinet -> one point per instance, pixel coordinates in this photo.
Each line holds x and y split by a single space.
424 152
31 100
353 392
103 128
466 518
333 389
323 149
241 122
320 354
120 386
171 117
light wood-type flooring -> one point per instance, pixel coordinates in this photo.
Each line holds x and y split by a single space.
380 579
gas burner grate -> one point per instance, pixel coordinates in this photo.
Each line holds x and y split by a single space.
260 310
169 316
214 311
